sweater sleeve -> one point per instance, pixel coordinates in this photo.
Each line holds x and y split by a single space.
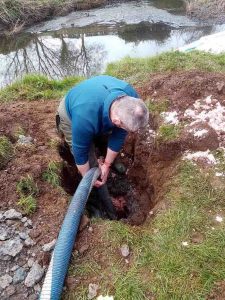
82 137
116 139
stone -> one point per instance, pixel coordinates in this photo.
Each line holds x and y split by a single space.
220 86
24 219
5 232
10 290
23 235
125 251
29 242
83 248
85 221
28 224
34 276
37 288
1 216
92 290
12 214
25 140
30 262
11 247
49 246
5 281
90 229
19 275
33 297
14 268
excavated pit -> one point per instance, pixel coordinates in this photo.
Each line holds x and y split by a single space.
136 179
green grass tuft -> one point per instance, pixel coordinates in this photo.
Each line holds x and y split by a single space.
35 87
158 107
26 186
6 151
27 190
27 204
51 175
135 69
168 132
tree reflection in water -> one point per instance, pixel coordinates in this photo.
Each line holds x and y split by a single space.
55 57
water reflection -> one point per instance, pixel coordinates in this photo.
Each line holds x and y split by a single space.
86 51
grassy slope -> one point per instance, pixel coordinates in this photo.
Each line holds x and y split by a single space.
159 263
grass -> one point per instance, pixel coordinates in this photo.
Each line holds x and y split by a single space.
51 175
135 69
27 190
6 151
36 87
168 132
28 204
26 186
158 107
160 265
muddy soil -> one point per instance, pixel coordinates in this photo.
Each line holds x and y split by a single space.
150 163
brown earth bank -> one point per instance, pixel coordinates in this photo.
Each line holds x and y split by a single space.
150 161
22 13
206 10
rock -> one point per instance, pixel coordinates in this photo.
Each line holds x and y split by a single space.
10 290
85 221
125 251
29 242
14 268
11 247
30 262
24 219
49 246
33 297
34 276
90 229
5 232
19 275
37 288
1 216
92 290
5 281
12 214
220 86
23 235
28 224
83 248
25 140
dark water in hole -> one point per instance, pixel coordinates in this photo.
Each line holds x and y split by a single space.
83 43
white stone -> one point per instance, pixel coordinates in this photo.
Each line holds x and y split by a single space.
219 219
11 247
105 297
12 214
125 251
5 281
34 276
49 246
29 242
92 290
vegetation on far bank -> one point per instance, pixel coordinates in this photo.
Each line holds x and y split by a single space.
16 14
135 70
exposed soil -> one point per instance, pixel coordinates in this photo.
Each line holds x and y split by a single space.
150 162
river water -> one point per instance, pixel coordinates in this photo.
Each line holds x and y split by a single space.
84 42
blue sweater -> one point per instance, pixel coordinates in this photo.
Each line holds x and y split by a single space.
88 106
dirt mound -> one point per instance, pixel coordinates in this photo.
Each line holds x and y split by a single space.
182 89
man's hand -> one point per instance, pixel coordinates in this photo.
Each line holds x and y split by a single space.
104 167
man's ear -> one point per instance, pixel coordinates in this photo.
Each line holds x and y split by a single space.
116 121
